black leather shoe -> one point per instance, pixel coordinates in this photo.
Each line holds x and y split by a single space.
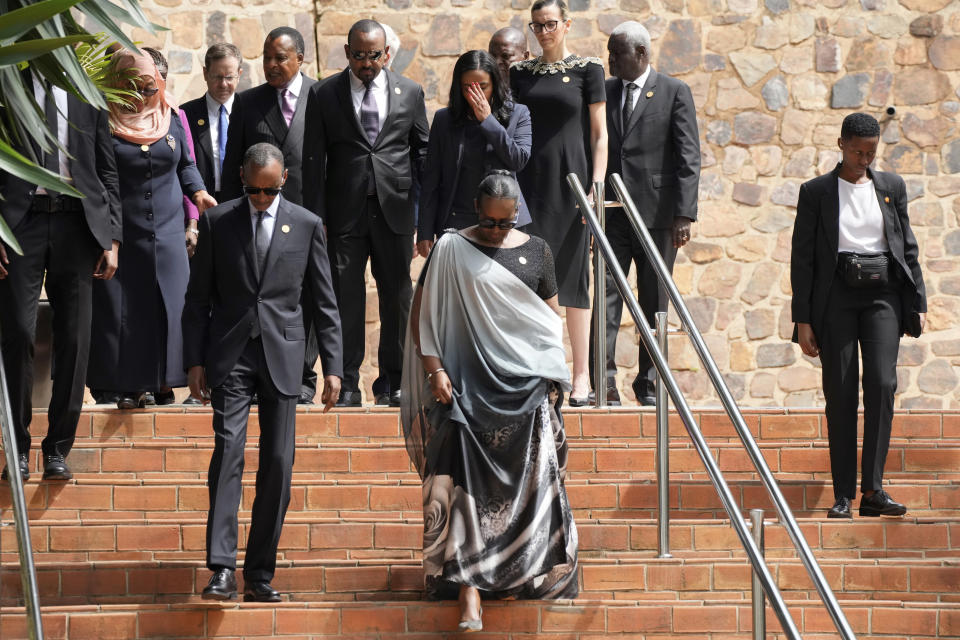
132 400
382 399
190 400
841 509
260 591
222 585
643 392
881 504
23 461
55 468
164 397
349 399
613 397
305 398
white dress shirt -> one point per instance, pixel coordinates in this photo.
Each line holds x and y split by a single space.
861 220
213 118
294 88
269 218
379 88
63 129
642 80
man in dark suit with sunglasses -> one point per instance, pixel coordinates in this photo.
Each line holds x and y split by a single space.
364 145
257 258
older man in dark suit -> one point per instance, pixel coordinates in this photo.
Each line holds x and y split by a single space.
655 147
257 258
274 112
67 242
364 145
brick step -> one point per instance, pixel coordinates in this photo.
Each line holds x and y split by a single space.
108 424
580 619
908 458
624 577
592 495
314 538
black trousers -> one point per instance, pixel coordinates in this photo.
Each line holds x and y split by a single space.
60 247
231 410
390 255
650 294
868 321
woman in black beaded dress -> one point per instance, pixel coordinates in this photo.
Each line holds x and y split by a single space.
483 380
567 101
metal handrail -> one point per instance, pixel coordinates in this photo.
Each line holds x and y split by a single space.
683 409
28 573
733 412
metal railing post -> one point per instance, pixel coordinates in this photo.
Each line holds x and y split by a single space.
683 409
28 573
663 448
757 597
599 308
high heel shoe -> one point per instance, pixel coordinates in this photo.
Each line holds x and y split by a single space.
468 626
131 400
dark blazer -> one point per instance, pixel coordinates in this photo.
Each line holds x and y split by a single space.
94 170
196 111
507 148
816 233
338 158
657 153
225 292
256 117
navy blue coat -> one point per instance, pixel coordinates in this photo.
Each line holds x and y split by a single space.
507 148
136 342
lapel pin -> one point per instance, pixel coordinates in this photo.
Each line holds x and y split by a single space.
649 94
171 142
886 198
285 228
144 148
200 122
396 90
566 78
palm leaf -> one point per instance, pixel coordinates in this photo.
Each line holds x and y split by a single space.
17 22
13 162
12 54
7 237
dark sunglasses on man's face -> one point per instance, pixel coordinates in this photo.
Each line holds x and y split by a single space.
270 191
373 56
489 223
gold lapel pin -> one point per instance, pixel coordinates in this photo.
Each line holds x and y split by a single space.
285 228
649 94
200 122
396 90
144 148
566 78
886 198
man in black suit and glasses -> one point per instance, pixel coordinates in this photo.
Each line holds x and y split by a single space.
655 147
364 145
257 258
67 243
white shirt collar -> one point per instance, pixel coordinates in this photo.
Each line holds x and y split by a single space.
379 83
295 85
214 107
642 80
271 211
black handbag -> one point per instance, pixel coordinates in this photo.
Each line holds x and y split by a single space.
861 271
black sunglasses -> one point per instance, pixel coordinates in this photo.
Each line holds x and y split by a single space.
366 55
148 92
489 223
270 191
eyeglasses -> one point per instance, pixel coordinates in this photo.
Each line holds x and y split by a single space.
372 56
270 191
147 93
544 27
489 223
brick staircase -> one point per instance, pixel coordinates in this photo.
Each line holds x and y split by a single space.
119 549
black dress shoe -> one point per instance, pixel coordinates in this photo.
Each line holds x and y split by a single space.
23 461
305 398
349 399
101 396
613 397
192 401
643 392
388 399
164 397
55 468
222 585
260 591
841 509
881 504
132 400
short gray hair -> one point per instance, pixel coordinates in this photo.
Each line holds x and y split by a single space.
260 155
634 33
393 42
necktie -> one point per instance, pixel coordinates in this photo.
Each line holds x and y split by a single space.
262 243
628 104
51 159
370 115
222 127
288 105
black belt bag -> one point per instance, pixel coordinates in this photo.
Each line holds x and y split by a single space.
862 271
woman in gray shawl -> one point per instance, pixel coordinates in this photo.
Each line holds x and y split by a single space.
483 382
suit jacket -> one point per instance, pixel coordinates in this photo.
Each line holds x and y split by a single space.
657 153
507 148
225 293
93 167
256 117
338 158
816 233
196 112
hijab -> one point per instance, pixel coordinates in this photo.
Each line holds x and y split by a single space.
152 121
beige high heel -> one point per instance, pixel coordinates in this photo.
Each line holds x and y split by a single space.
468 626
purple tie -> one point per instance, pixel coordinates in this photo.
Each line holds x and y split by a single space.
288 105
370 115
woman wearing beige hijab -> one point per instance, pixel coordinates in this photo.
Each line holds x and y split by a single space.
136 343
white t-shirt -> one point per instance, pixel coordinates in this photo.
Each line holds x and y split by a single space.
861 220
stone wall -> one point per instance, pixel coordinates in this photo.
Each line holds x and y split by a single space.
772 81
